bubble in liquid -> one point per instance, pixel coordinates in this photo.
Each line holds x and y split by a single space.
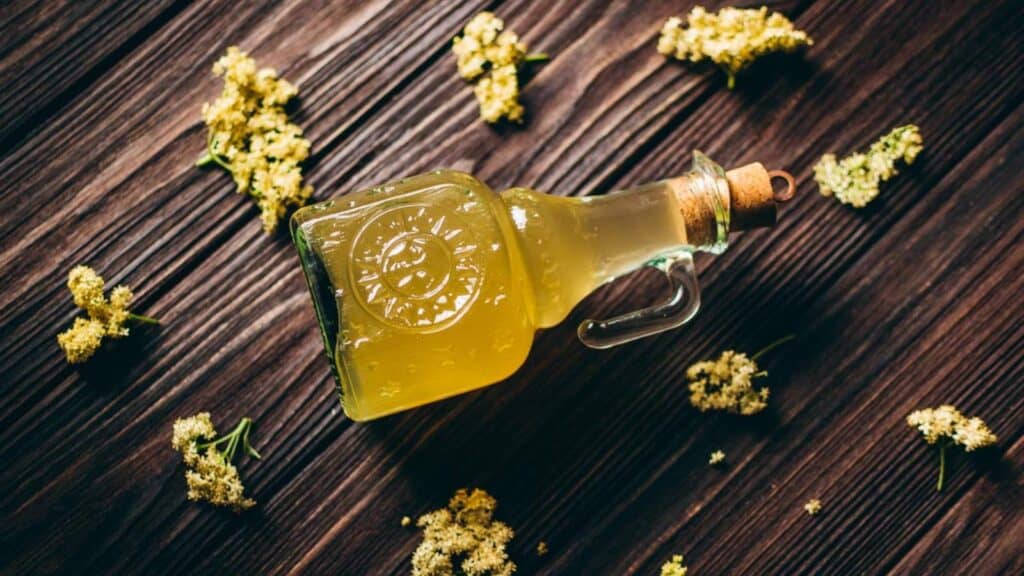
390 389
502 340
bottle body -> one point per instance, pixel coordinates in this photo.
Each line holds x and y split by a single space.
419 293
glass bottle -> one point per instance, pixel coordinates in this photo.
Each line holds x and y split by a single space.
434 285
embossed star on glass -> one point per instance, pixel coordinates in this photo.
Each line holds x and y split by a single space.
434 285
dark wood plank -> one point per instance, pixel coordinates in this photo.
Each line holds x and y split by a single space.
963 537
909 303
51 51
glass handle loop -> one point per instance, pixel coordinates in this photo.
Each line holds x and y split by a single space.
681 306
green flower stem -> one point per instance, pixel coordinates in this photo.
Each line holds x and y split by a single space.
238 436
772 346
942 467
245 442
536 57
235 439
143 319
212 156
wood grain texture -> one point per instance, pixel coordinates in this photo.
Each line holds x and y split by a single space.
914 301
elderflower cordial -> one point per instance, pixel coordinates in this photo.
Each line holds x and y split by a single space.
732 39
250 137
491 56
855 180
106 317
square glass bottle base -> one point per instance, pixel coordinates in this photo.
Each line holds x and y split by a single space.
417 293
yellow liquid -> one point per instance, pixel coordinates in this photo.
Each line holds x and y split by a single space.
435 285
570 246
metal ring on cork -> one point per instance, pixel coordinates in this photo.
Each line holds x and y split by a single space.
786 195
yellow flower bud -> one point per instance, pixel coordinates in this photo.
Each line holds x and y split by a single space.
106 317
465 533
674 567
82 340
491 56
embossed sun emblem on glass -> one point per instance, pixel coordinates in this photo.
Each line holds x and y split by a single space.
416 266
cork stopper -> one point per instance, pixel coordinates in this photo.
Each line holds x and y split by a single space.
747 191
752 200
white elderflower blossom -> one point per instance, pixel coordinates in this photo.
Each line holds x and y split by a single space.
732 38
855 180
946 426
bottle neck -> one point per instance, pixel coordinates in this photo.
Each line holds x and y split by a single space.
622 231
572 246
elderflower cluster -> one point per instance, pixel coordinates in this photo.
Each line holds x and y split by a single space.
498 96
188 431
213 479
813 507
464 533
489 55
727 384
733 38
855 179
486 45
947 423
210 475
674 567
717 457
107 317
251 137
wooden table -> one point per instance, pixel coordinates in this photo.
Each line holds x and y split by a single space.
915 301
